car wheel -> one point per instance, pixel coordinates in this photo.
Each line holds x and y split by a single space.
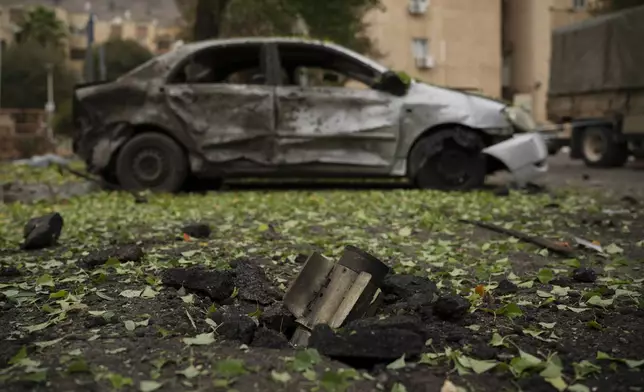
599 150
152 161
450 159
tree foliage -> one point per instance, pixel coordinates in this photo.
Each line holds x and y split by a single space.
341 21
122 56
24 75
607 6
41 25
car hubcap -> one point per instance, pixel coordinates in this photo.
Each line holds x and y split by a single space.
594 147
148 165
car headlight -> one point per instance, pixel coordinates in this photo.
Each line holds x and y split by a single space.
520 118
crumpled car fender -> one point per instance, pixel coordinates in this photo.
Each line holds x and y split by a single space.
524 155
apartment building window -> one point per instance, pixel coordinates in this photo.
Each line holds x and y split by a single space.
422 56
142 32
579 4
418 6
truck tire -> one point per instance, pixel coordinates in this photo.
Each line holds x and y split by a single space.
449 160
152 161
599 150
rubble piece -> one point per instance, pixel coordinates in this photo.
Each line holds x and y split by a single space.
542 242
278 318
9 272
328 293
197 230
589 245
408 323
268 338
406 286
218 285
506 287
252 283
584 275
364 347
121 253
451 308
42 232
233 326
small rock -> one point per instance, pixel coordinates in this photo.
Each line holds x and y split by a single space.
364 347
9 271
218 285
574 294
451 307
484 351
42 232
630 200
585 275
506 287
278 318
267 338
502 191
585 177
563 281
197 230
405 286
409 323
301 258
252 283
123 254
236 327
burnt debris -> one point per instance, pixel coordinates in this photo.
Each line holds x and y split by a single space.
123 254
42 232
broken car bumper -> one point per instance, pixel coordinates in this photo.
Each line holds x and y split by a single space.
524 155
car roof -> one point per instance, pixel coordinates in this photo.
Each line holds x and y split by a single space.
196 46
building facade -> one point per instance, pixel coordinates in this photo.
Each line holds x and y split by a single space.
527 32
453 43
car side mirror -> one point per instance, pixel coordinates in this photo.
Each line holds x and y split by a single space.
392 83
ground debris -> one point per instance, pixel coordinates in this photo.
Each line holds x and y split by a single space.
252 283
405 286
584 275
197 230
364 346
42 232
123 254
234 326
218 285
542 242
453 307
277 318
268 338
506 287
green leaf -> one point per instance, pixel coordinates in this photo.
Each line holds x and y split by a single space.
48 343
398 387
595 325
129 325
148 292
149 386
633 364
37 327
306 359
131 293
119 381
45 280
598 301
510 310
230 368
497 340
189 372
397 364
404 232
578 388
547 325
283 378
78 365
558 383
20 355
584 368
58 294
476 365
613 249
200 340
545 275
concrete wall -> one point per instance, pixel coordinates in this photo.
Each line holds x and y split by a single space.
464 41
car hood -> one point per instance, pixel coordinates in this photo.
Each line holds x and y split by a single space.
451 106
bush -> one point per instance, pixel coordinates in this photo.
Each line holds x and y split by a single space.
63 122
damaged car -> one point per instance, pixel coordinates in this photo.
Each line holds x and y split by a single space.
292 107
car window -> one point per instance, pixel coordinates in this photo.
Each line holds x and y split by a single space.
322 77
317 66
234 64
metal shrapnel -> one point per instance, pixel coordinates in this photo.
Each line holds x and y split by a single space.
328 293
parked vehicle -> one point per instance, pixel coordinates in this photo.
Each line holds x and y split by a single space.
292 107
597 88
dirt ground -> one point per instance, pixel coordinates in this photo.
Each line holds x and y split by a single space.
116 304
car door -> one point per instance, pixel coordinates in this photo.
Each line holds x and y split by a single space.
222 97
339 126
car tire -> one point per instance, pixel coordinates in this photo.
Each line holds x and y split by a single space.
450 159
152 161
599 150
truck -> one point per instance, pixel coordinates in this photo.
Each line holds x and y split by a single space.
596 88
